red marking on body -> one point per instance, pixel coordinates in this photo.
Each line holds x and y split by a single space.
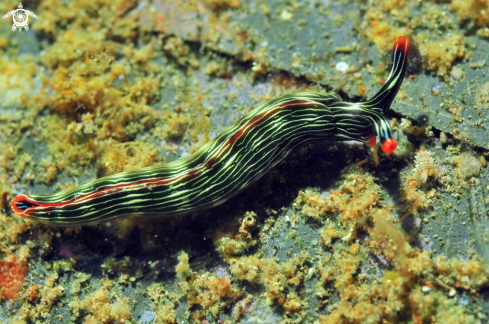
95 194
292 103
209 164
190 175
155 182
253 123
235 137
389 145
371 140
258 120
244 35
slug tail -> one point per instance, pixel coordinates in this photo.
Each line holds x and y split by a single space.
21 205
28 207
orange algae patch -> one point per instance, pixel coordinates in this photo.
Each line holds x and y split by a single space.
85 88
467 165
472 10
278 278
119 157
354 203
229 247
383 34
379 25
440 54
12 277
210 292
103 310
419 288
163 303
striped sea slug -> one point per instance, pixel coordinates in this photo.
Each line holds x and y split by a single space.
230 163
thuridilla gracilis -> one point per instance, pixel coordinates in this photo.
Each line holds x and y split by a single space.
230 163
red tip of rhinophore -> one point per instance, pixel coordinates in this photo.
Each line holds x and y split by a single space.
389 145
371 140
402 43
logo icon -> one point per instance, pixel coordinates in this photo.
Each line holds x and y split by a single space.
20 17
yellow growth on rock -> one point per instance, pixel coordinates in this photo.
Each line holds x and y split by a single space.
418 287
204 289
441 54
278 278
476 11
163 303
229 247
